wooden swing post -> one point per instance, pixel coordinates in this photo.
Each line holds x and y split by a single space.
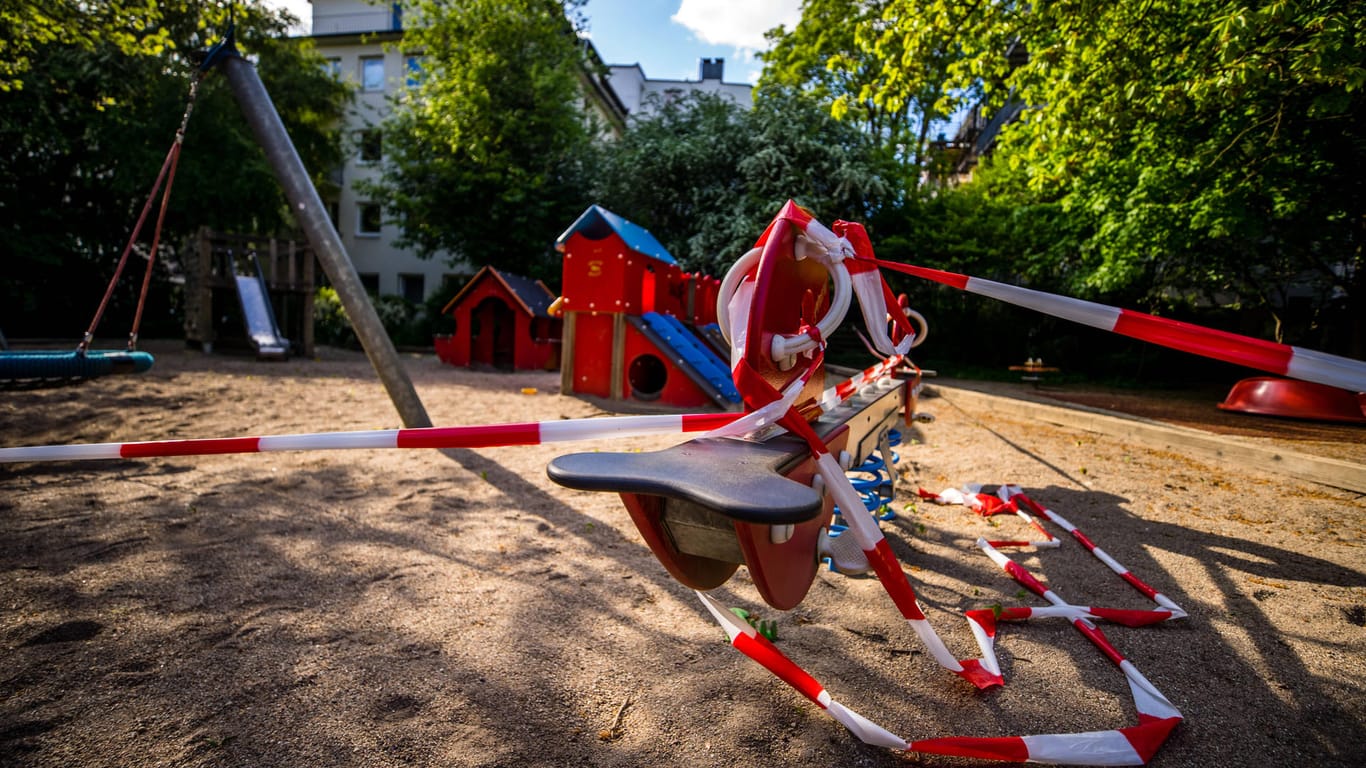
312 216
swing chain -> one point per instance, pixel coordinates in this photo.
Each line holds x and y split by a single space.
167 174
189 106
156 237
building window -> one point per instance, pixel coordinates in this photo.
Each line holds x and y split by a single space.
412 288
371 145
370 282
332 66
372 74
414 66
369 219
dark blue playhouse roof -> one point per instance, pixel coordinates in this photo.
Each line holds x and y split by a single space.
598 222
534 297
532 293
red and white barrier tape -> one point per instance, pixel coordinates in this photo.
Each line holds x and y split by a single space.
987 505
762 397
1014 494
1128 618
864 529
1283 359
1133 745
1124 746
495 435
748 641
1011 498
484 436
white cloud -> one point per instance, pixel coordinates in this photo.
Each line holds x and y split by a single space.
302 9
738 23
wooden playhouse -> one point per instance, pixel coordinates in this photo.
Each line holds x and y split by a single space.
502 320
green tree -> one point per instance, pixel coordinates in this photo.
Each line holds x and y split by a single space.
897 69
821 58
1185 151
1212 148
27 27
705 176
485 155
87 134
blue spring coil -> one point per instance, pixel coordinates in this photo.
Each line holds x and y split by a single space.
872 478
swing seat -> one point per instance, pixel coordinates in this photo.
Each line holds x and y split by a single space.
751 487
712 504
45 368
702 523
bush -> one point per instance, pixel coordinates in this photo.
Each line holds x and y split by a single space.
404 321
331 326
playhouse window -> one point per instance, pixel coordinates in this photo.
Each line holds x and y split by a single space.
647 376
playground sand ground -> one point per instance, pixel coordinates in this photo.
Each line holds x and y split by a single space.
417 608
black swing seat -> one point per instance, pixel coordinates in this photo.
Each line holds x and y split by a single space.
28 369
739 479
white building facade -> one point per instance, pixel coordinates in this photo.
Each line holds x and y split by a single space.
361 42
642 96
358 39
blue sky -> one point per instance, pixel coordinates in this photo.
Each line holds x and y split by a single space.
668 37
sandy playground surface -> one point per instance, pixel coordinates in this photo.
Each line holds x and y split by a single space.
387 608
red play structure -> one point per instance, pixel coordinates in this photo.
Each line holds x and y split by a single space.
502 320
635 324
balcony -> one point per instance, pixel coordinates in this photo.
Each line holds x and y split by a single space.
358 22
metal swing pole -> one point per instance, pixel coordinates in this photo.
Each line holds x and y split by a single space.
308 209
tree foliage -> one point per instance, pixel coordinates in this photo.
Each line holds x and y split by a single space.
28 27
90 126
1215 149
705 176
485 155
898 70
821 58
1185 150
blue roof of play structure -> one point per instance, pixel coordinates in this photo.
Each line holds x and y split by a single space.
597 223
531 292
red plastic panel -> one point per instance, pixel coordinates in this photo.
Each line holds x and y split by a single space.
590 360
677 389
788 295
691 570
783 572
595 275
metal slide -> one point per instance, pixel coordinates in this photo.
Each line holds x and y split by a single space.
260 318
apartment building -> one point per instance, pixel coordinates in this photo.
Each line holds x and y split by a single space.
641 96
361 42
